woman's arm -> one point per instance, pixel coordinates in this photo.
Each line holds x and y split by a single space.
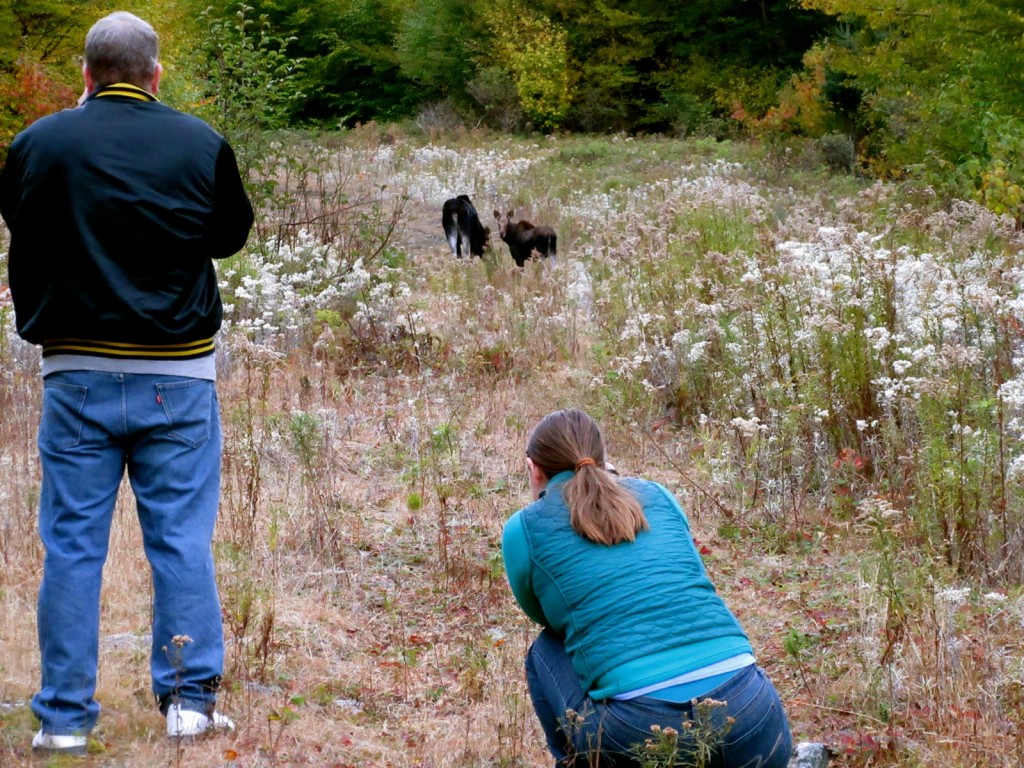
515 550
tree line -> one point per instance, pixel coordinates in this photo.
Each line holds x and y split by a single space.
924 89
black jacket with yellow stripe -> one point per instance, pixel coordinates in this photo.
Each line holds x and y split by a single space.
116 210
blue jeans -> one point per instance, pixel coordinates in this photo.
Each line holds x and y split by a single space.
609 733
165 431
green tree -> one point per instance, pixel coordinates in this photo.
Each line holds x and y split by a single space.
642 64
172 20
358 76
936 83
534 50
729 54
40 41
611 56
248 84
351 67
605 65
47 31
248 80
439 42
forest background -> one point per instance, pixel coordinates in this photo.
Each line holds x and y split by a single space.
788 287
906 88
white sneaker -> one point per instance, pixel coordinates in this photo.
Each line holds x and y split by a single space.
65 744
185 722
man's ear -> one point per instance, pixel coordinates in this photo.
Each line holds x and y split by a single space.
87 79
157 73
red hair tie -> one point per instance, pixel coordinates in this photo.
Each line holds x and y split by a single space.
585 462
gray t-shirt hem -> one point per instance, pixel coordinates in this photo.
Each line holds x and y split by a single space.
197 368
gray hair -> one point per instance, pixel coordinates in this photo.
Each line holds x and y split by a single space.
121 48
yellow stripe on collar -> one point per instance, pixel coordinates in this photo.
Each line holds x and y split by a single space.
125 89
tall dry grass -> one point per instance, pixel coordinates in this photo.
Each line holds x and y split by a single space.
826 372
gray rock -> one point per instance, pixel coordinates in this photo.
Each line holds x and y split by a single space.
808 754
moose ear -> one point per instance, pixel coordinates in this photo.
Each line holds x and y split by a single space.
497 216
510 215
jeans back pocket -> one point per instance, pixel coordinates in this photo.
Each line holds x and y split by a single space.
60 427
190 407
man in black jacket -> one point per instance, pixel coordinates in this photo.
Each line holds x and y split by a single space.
116 210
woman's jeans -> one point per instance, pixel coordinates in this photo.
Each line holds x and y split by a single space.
582 732
165 431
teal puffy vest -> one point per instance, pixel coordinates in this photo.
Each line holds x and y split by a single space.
617 604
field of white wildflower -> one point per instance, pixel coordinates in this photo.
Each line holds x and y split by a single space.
829 373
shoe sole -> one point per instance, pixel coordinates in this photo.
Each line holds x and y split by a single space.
81 751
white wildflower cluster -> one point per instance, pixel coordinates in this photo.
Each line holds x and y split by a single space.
922 298
1015 470
385 306
274 292
674 338
878 509
952 598
688 346
628 367
751 329
239 348
634 327
18 354
620 211
432 174
879 337
748 427
1012 394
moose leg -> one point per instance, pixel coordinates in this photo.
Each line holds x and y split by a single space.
451 233
464 242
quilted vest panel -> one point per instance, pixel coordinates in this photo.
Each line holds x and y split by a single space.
629 600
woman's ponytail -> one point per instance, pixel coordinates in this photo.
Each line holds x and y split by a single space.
600 508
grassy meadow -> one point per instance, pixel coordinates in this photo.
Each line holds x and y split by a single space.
828 371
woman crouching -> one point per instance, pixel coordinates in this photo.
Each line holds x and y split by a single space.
637 646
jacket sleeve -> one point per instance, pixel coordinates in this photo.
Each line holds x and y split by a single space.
232 211
515 550
9 189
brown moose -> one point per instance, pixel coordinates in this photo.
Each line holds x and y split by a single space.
524 239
